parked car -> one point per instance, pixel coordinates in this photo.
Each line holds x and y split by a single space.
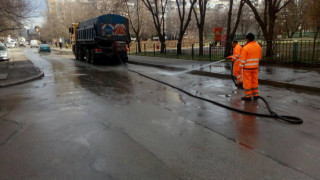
4 53
44 48
11 44
34 43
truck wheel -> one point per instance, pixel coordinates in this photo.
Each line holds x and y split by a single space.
88 56
92 59
76 54
80 54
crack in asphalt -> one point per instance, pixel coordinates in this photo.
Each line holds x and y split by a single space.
20 126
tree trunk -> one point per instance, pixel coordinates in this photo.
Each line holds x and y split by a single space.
139 44
316 34
179 48
200 41
267 20
269 51
179 45
269 38
228 47
230 34
163 44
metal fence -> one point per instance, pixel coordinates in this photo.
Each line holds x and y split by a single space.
284 51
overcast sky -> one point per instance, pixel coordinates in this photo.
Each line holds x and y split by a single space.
39 8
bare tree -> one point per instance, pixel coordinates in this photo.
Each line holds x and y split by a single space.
200 14
291 17
267 20
184 19
231 32
157 9
172 22
312 15
111 6
64 15
13 14
246 21
138 19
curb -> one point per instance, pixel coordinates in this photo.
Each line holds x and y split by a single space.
226 76
38 76
63 52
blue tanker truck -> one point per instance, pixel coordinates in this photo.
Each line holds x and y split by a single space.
101 39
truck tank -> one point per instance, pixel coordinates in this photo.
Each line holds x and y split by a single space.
101 39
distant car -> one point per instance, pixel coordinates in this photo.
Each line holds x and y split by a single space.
11 44
44 48
4 53
34 43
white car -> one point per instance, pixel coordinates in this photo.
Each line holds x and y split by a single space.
34 43
4 53
11 44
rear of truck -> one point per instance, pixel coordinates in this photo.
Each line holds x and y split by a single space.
114 33
104 38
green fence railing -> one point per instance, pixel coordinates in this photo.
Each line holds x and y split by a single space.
284 51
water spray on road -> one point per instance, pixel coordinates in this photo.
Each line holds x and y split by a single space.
189 70
186 71
288 119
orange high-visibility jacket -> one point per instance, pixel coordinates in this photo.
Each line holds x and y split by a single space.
251 55
236 53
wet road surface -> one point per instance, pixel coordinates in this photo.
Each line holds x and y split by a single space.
103 122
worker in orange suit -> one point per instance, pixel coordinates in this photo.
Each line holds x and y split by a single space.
237 69
250 57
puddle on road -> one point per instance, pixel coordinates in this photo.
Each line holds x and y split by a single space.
77 74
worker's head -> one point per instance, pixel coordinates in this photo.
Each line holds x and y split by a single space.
250 37
234 43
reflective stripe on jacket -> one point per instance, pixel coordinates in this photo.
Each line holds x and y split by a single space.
236 53
251 55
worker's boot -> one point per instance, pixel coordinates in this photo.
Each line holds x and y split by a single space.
246 98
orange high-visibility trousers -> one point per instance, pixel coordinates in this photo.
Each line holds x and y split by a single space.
237 71
250 82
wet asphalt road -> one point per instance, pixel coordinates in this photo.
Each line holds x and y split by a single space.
103 122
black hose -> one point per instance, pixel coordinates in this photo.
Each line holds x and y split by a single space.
288 119
232 76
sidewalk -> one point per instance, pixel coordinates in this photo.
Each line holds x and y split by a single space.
62 51
303 79
286 77
18 70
